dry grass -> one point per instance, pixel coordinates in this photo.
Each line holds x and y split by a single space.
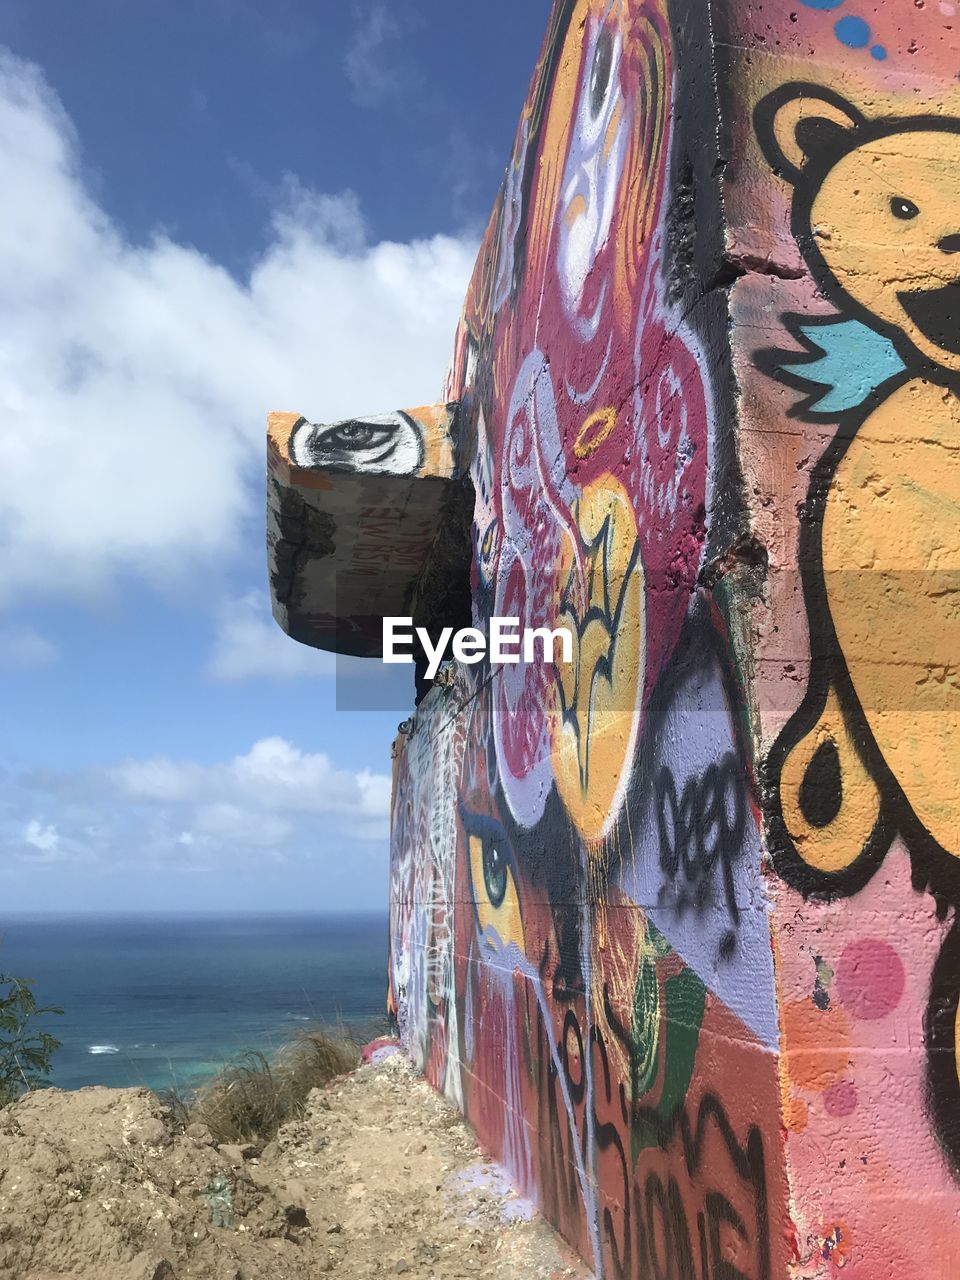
254 1095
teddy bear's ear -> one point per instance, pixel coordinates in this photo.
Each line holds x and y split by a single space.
797 122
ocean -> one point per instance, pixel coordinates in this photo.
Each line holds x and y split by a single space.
165 1002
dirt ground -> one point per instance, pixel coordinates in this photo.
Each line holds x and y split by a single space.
380 1178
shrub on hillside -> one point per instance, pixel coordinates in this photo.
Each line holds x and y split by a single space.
253 1096
25 1054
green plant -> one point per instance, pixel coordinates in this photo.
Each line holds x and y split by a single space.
25 1053
254 1095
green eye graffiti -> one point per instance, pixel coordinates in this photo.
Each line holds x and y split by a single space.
494 873
493 878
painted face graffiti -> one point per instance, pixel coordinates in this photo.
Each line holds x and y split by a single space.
872 751
603 487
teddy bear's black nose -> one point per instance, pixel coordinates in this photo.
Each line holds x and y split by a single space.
949 244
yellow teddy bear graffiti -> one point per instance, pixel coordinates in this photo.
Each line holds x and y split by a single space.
874 749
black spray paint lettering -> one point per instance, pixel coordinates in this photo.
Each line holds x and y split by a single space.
667 1222
698 829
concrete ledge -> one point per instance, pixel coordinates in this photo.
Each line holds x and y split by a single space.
353 511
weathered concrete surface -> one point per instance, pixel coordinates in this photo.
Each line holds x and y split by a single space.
354 510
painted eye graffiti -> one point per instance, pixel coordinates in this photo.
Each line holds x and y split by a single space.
493 880
495 872
362 441
388 444
356 435
903 208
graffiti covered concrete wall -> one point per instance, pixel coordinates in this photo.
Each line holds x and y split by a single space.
674 923
844 145
581 947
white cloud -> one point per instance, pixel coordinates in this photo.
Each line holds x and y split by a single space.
159 779
273 780
369 63
44 838
135 379
177 814
22 646
225 823
249 644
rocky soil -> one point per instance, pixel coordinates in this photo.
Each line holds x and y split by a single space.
379 1178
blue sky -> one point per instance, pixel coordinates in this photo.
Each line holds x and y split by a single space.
210 211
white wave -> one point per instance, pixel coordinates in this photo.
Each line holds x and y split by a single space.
103 1048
